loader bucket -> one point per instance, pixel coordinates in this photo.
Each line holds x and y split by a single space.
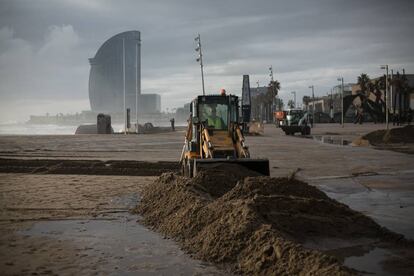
260 166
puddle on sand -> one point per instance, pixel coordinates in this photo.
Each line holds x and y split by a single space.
366 256
370 262
359 254
391 208
333 140
127 247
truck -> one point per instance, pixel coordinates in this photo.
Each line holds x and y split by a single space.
296 120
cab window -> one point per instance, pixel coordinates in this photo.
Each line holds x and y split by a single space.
214 114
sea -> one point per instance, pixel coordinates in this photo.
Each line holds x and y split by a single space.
33 129
14 128
42 129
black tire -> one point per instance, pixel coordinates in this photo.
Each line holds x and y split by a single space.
183 168
308 130
191 168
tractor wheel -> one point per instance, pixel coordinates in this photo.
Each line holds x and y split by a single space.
190 168
184 170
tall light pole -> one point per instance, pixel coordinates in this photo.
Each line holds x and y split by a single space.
386 94
137 79
271 72
261 104
200 59
331 107
294 98
272 85
313 104
392 93
341 79
123 83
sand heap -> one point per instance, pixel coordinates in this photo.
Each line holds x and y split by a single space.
395 135
252 225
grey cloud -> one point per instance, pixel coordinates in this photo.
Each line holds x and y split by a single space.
308 42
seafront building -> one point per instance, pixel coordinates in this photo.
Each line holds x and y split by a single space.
115 77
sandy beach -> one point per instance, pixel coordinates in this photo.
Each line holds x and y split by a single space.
55 221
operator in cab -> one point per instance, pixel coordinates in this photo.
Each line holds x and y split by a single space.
215 121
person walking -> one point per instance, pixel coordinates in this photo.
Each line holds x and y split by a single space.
172 121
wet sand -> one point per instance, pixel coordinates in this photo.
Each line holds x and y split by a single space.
80 224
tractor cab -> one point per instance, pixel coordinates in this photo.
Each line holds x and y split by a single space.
214 117
216 112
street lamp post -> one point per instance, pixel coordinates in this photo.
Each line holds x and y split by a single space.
137 79
123 83
341 79
331 107
392 93
313 105
200 59
294 98
271 72
271 83
386 94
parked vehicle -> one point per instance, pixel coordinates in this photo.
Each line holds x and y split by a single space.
296 120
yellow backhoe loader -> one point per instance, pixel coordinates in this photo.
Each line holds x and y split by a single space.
213 137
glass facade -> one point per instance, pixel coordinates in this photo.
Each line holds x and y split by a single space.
106 78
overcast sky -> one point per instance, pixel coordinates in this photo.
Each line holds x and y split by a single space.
45 46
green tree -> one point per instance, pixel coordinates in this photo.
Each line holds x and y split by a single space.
364 83
273 89
270 97
402 88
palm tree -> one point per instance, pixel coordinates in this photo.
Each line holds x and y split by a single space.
273 88
363 81
272 91
401 88
375 109
406 90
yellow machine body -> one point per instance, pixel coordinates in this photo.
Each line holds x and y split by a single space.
214 137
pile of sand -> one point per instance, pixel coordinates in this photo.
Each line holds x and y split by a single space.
395 135
252 225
